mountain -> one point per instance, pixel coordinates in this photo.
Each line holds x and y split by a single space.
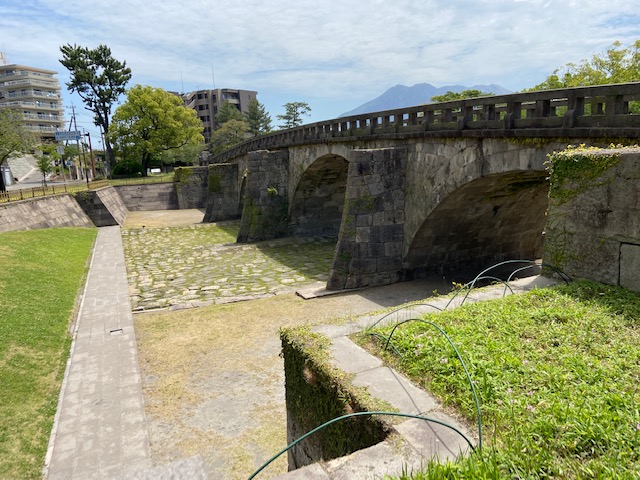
402 96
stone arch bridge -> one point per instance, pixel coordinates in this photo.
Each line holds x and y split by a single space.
434 188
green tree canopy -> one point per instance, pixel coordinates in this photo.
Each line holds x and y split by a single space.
294 111
258 119
618 64
151 121
99 80
15 139
450 96
228 111
46 159
230 134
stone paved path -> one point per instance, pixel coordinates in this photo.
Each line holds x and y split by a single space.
100 430
200 265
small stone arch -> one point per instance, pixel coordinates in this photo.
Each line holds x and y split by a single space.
488 220
317 203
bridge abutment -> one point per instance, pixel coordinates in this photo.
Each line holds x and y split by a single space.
370 242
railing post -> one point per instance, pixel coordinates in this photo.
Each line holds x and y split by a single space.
489 111
615 105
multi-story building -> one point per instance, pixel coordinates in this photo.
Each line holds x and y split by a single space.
207 102
36 93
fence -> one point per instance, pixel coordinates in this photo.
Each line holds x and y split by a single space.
26 193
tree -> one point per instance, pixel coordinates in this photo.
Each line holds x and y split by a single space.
228 111
231 133
99 80
450 96
617 65
258 119
185 155
15 139
152 121
293 114
46 160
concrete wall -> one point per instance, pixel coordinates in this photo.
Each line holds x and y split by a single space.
104 206
191 187
46 212
593 226
160 196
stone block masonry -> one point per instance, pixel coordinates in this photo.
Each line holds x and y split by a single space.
160 196
46 212
369 249
191 187
265 211
593 221
224 193
104 206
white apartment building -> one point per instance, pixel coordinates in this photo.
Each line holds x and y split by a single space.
36 93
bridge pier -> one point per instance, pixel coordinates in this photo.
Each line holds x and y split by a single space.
266 202
223 193
370 242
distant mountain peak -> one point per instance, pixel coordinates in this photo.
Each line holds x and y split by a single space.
401 96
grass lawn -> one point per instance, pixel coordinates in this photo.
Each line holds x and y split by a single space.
558 375
41 272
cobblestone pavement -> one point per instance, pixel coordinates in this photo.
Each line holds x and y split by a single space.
200 265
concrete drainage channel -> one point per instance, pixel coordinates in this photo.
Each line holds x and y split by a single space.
412 442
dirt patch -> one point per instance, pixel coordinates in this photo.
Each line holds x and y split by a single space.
163 218
214 380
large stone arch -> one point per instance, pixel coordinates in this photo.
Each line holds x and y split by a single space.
496 217
316 204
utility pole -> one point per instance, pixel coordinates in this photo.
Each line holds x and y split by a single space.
75 127
93 161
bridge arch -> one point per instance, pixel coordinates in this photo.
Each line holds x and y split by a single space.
493 218
317 202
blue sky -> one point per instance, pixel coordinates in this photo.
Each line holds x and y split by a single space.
334 55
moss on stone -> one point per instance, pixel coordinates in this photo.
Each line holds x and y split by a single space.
214 183
318 392
182 174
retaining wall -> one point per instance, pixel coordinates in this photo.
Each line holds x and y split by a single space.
46 212
160 196
104 206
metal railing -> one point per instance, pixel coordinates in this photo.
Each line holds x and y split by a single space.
27 193
563 112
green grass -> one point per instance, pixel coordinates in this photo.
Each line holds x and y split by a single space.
41 272
558 374
154 178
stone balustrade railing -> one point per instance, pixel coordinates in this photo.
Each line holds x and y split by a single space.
543 113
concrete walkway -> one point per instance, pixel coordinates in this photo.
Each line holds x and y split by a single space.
100 430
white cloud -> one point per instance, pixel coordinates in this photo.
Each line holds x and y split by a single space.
337 53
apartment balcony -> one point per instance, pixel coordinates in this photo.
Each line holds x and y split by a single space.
44 117
55 106
51 84
32 94
44 130
16 74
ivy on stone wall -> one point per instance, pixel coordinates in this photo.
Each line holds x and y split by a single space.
577 169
